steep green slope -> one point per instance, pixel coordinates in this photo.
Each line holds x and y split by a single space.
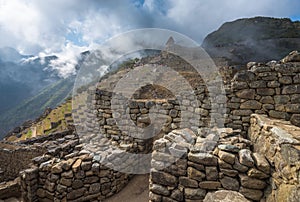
35 106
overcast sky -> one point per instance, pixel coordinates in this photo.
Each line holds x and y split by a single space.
69 26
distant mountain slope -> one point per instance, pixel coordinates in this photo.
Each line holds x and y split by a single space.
8 54
29 80
51 96
254 39
21 79
56 120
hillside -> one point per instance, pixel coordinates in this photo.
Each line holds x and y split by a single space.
26 85
35 106
56 120
254 39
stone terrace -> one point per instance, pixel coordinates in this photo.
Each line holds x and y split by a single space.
252 154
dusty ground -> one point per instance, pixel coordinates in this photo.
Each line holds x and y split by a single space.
136 191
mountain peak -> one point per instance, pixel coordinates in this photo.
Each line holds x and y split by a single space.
254 39
170 41
8 54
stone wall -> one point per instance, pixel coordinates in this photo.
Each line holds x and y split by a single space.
68 172
219 159
14 158
118 129
74 178
186 164
10 189
272 89
17 156
279 141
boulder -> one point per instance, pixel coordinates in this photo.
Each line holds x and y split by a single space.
225 196
294 56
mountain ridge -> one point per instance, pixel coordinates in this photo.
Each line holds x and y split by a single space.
254 39
238 42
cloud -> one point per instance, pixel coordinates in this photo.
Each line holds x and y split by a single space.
66 60
198 18
56 26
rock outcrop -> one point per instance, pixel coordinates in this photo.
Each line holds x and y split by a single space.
254 39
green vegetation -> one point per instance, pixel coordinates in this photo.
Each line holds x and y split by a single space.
60 116
34 107
129 63
58 119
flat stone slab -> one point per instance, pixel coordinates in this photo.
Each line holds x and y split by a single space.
284 130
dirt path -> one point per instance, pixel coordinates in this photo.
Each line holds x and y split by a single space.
136 191
33 129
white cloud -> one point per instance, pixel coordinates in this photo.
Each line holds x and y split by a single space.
67 59
56 26
198 18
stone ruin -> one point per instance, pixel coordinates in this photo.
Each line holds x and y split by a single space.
254 157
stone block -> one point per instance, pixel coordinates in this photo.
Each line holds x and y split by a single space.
203 158
74 194
238 166
245 157
211 173
254 173
227 157
210 185
267 100
295 119
195 194
195 174
252 194
246 94
229 172
158 189
230 183
258 84
241 112
163 178
293 108
252 183
261 163
251 104
177 195
188 182
265 91
278 114
291 89
76 165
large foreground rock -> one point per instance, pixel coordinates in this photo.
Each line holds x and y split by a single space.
225 196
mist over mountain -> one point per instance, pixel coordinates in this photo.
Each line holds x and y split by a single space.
29 85
8 54
29 79
21 78
254 39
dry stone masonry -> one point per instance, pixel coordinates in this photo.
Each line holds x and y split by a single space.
213 160
279 141
271 89
253 157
